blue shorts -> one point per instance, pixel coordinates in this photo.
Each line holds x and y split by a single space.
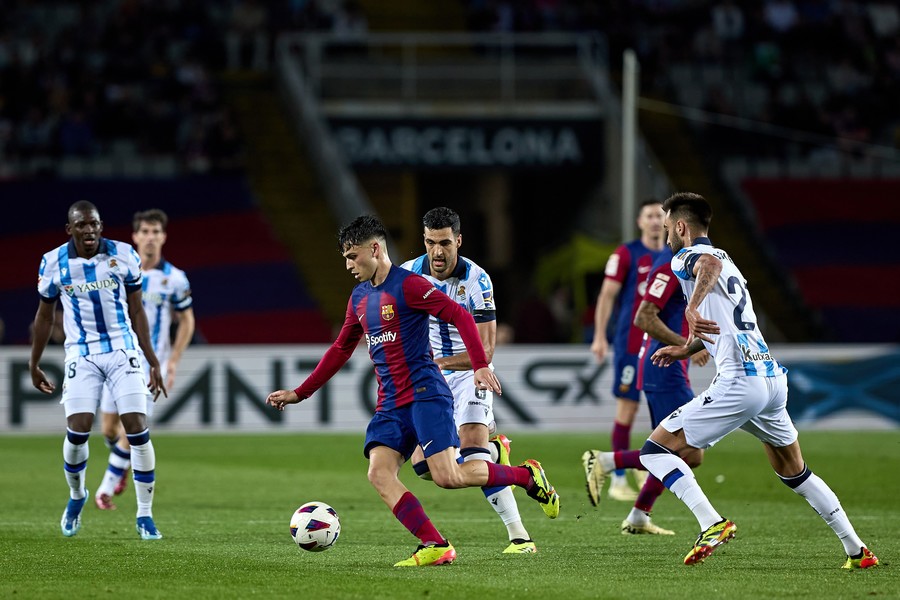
625 376
663 403
427 423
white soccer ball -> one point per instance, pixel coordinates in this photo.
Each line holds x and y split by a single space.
315 526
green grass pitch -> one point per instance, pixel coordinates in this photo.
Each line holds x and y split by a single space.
224 502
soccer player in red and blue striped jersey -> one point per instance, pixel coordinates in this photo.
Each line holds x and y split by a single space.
624 284
390 308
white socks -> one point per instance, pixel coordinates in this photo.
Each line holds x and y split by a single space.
75 455
678 477
143 463
825 502
501 499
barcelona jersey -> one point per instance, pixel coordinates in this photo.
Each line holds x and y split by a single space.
393 318
629 265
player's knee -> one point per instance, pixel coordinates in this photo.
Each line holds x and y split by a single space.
379 478
693 457
110 432
451 479
422 470
650 447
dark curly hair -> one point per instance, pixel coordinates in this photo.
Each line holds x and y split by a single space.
440 218
361 230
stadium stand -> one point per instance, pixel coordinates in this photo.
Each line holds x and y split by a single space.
773 96
811 224
784 92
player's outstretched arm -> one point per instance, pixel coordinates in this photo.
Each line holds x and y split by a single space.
670 354
331 362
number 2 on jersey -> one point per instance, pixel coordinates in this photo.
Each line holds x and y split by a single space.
735 284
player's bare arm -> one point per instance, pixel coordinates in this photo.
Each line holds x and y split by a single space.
183 334
609 291
670 354
647 319
461 361
706 271
43 326
700 358
142 329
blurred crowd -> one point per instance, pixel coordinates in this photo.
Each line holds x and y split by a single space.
136 77
827 67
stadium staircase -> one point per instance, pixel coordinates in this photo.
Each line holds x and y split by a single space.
785 309
287 188
393 194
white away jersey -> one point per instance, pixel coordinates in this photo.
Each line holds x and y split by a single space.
740 349
93 294
469 286
165 289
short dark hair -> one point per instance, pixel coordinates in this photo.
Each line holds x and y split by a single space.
689 207
359 230
154 215
440 218
82 206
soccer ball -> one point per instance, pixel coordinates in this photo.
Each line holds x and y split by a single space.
315 526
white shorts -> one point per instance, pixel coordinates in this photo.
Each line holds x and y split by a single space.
758 405
467 406
108 402
85 378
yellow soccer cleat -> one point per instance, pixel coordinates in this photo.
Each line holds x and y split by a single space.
594 480
430 556
501 443
714 536
629 528
520 546
542 491
865 560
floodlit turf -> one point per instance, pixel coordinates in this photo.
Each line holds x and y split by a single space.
224 503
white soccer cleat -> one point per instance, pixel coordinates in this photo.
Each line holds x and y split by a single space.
620 491
629 528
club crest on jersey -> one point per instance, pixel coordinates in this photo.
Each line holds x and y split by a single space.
461 292
387 312
113 263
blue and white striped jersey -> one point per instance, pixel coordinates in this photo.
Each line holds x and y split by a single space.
93 292
469 286
740 349
166 288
